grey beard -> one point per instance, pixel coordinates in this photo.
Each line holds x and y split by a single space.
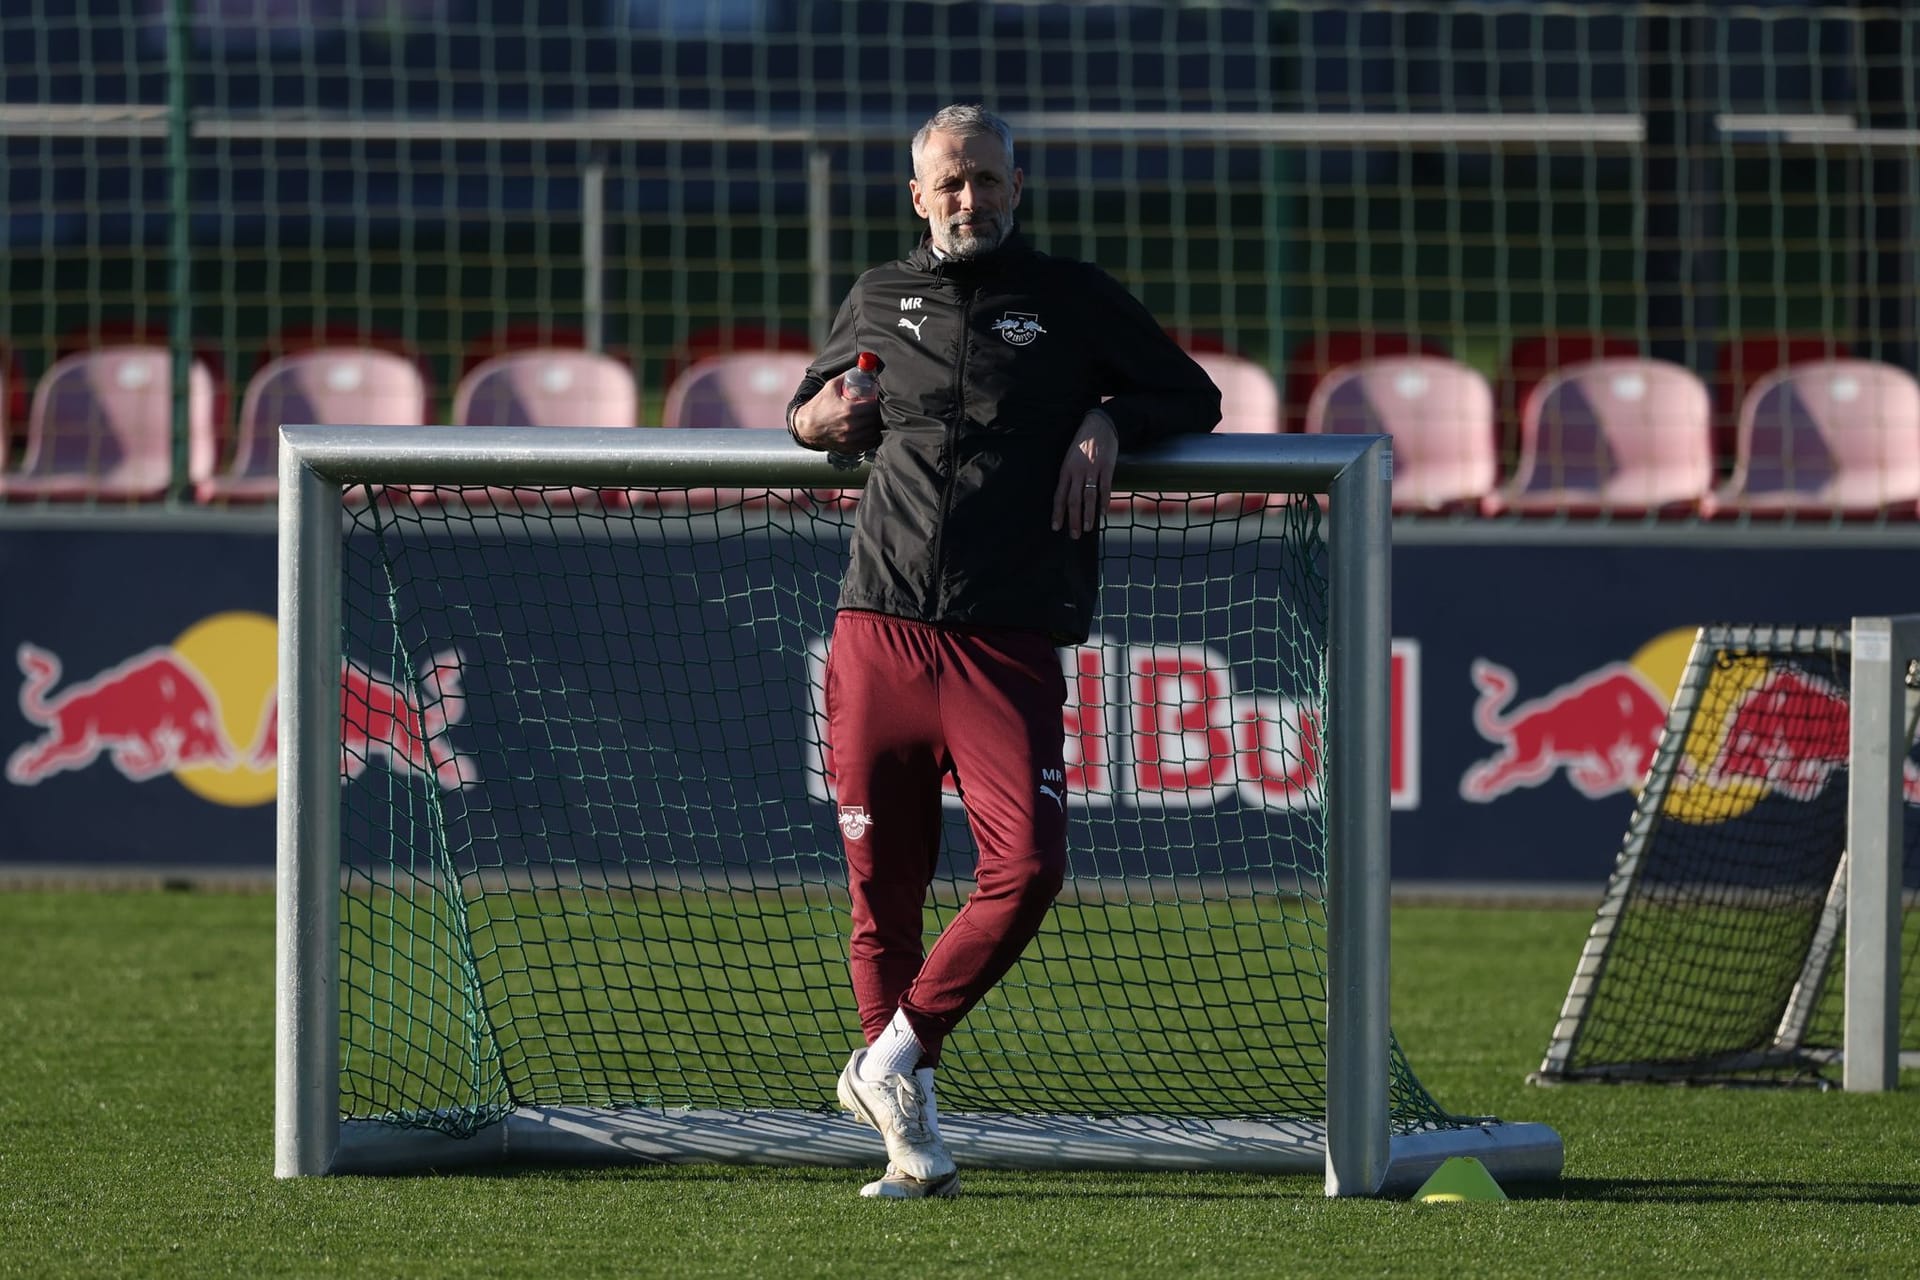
975 245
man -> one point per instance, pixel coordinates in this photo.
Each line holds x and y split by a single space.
972 558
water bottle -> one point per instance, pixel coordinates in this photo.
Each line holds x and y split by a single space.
858 384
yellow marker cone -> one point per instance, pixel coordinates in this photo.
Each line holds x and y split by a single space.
1459 1178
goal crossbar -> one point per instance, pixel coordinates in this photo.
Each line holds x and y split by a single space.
1354 1145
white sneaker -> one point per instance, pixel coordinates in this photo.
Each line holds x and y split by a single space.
899 1186
900 1107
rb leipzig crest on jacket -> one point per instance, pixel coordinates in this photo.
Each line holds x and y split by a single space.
1019 327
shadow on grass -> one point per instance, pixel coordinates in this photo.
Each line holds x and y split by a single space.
1719 1191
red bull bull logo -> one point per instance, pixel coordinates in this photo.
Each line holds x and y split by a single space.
1789 733
149 715
204 710
382 719
1761 727
1600 730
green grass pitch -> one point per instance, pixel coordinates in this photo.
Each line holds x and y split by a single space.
136 1037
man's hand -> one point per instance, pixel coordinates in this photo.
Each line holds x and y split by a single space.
841 426
1086 475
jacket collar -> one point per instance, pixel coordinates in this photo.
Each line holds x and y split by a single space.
1013 248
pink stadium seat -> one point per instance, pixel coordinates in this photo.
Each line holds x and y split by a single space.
1621 436
1315 357
1440 415
1740 363
101 425
1249 398
746 339
546 387
1530 360
524 335
323 386
1249 404
738 389
1832 437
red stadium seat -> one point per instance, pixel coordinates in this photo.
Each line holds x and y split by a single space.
322 386
547 387
1320 355
126 331
731 339
1740 363
742 389
1620 437
1832 437
1440 415
1249 399
1249 404
1528 363
101 426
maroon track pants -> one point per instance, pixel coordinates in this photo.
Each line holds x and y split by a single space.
906 704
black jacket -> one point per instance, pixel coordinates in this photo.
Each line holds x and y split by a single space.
988 367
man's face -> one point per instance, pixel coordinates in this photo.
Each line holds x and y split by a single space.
964 191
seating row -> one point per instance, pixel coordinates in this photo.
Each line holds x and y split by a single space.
1619 435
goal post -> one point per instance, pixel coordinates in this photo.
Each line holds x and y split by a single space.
550 821
1752 929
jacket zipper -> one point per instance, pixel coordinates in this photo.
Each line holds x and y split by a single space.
937 589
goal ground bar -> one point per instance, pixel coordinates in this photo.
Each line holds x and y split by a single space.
1512 1153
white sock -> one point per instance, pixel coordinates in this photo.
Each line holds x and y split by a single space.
895 1053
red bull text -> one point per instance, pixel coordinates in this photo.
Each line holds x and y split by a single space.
1162 726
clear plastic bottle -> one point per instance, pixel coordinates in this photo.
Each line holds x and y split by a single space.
860 383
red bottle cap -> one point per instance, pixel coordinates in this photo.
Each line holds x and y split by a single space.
869 362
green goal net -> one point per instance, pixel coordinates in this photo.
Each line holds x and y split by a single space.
599 867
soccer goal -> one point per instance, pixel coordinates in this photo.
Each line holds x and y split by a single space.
559 881
1754 925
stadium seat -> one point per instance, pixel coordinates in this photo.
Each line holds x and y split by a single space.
550 387
1529 361
547 387
1830 437
1316 357
1249 399
520 336
101 426
1440 415
324 386
119 330
1740 363
741 389
1249 403
731 339
1620 436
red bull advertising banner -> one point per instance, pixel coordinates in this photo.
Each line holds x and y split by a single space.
142 727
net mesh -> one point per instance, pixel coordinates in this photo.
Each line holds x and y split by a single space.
589 857
1725 956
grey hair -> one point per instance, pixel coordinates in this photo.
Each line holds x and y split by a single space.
963 120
